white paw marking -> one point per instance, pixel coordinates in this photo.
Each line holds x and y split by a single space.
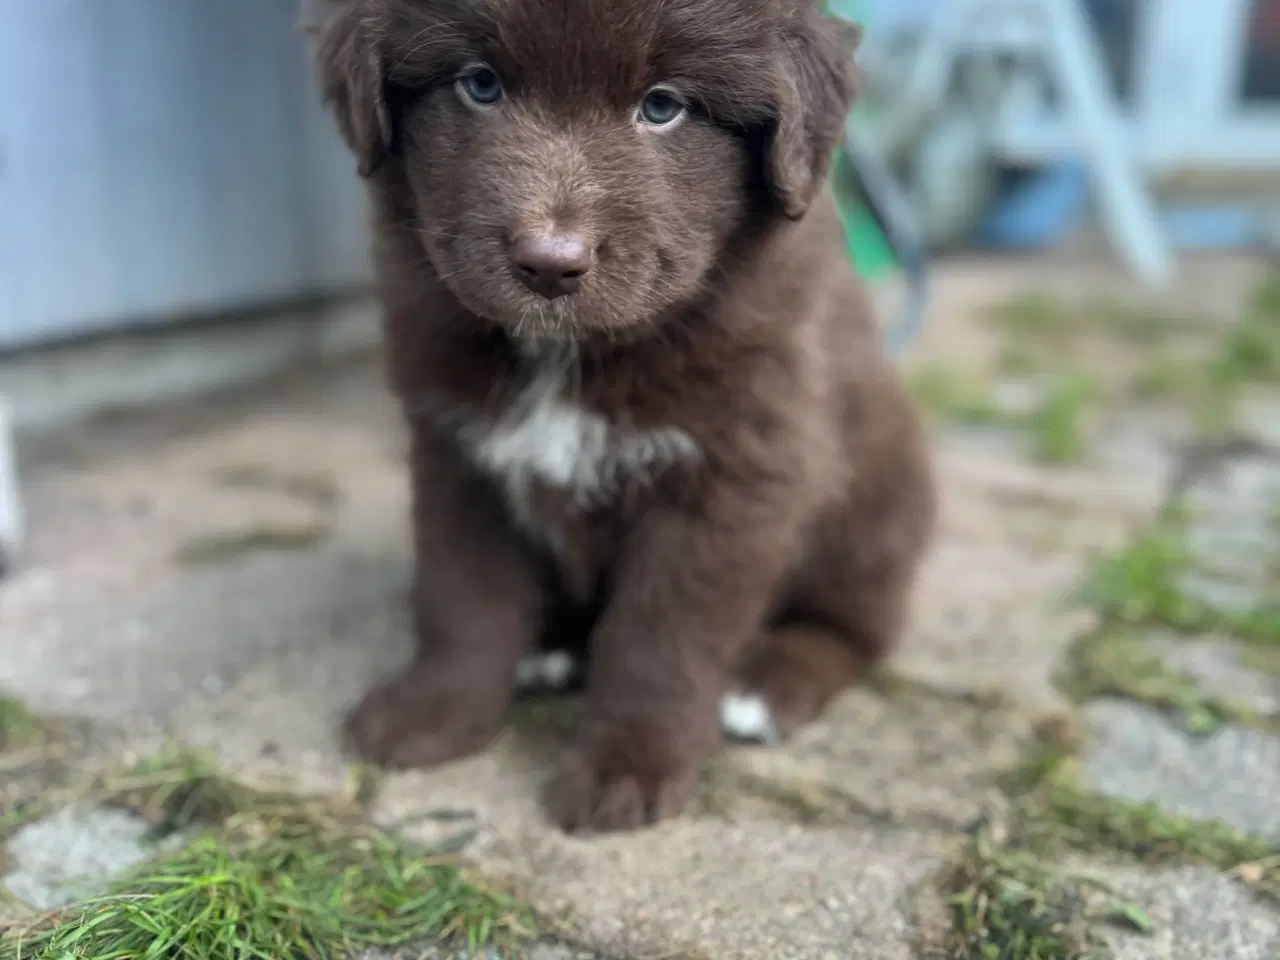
551 670
746 716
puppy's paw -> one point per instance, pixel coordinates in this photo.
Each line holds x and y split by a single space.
626 776
749 717
425 717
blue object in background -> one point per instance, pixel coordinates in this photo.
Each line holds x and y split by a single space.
1038 210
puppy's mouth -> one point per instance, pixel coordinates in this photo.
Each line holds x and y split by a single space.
538 309
544 321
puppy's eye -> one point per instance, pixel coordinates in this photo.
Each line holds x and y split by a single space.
480 86
661 107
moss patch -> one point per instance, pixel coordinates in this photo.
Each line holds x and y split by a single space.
42 759
1153 354
1115 662
1250 352
1211 384
1054 429
267 876
1007 904
1057 424
1141 584
232 545
954 396
1006 898
1053 814
1034 315
18 726
1040 316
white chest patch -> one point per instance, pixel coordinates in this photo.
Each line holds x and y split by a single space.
547 438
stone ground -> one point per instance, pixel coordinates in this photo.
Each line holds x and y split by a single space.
232 573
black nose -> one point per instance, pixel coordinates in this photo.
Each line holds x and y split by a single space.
552 264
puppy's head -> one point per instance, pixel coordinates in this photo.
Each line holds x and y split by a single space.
575 167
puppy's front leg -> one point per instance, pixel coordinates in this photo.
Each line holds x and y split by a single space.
478 603
692 589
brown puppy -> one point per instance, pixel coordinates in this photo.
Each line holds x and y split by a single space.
649 411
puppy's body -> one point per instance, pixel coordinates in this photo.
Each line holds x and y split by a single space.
694 466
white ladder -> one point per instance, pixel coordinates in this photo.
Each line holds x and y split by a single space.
1058 32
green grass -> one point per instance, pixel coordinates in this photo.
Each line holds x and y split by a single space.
1009 904
1039 316
1056 425
1053 814
1054 428
1018 358
1247 354
1005 905
1252 349
956 397
1009 898
1140 584
290 895
1139 587
1116 663
1035 315
32 754
18 727
1137 325
267 876
1039 329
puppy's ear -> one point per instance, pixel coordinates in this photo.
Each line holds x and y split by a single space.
816 87
348 58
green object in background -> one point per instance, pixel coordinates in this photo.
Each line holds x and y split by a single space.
865 242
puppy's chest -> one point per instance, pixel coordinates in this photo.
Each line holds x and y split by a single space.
557 460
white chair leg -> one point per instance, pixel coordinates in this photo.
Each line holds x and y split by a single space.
1126 204
10 502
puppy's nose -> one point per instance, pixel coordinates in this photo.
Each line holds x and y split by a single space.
552 264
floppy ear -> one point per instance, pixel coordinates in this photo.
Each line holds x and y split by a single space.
816 87
348 57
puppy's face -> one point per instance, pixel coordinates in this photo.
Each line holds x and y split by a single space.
575 167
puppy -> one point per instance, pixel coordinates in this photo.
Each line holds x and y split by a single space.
650 416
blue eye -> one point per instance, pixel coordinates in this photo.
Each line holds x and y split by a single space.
481 86
660 107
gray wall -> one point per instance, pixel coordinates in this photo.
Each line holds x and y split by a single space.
164 158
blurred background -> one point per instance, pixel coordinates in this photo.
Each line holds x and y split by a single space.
168 163
1068 212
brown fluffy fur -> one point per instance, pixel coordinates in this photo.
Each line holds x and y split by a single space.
744 496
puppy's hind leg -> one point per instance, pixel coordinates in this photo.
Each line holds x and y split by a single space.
795 672
845 605
817 649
